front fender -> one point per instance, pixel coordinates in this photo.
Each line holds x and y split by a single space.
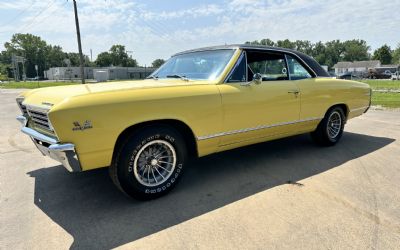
109 115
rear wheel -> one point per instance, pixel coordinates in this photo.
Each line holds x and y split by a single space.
149 163
330 129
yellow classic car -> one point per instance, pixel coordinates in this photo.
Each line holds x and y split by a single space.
199 102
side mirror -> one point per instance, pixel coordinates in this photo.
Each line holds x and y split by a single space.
257 79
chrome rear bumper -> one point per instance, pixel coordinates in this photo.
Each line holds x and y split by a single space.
48 146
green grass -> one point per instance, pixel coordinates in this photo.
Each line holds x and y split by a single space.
383 84
385 99
390 100
34 85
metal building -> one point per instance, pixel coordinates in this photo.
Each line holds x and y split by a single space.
112 73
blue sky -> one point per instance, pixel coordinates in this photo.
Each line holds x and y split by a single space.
156 29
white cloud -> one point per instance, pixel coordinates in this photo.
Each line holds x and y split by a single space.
196 12
151 34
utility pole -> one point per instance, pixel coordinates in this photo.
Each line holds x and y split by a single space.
78 35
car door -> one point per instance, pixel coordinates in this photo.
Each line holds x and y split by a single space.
252 111
315 96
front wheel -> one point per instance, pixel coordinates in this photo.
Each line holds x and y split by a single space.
149 163
330 129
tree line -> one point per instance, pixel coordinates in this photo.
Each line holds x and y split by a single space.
38 52
331 52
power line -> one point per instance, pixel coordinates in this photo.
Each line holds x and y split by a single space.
159 32
51 3
44 17
19 14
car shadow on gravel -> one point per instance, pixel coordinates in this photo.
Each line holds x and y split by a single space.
98 216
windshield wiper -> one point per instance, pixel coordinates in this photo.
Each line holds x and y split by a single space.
178 76
152 77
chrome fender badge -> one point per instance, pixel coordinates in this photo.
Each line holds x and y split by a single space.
86 125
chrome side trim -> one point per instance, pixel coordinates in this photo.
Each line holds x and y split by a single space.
357 109
244 130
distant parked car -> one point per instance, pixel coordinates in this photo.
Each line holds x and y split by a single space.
36 78
349 76
395 76
374 74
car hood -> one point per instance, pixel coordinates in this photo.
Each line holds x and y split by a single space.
53 95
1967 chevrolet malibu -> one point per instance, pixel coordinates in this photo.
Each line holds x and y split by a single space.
199 102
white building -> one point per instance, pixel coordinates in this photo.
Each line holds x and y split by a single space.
68 73
112 73
116 73
355 67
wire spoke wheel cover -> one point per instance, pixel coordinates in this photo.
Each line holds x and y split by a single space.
334 124
154 163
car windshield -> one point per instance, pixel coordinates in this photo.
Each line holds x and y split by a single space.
201 65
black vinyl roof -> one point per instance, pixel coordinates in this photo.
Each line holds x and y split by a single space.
307 60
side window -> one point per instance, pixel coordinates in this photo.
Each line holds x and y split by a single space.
271 66
239 71
296 70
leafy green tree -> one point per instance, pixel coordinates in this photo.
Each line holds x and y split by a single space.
304 46
333 52
104 59
54 56
266 42
383 54
116 56
37 52
33 48
120 57
286 44
319 53
157 63
396 55
4 71
75 60
5 66
356 50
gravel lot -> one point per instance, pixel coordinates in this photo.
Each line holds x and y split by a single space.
283 194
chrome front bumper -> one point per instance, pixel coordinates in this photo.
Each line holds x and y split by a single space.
48 146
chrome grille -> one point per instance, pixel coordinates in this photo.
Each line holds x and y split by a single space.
39 118
23 109
22 106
